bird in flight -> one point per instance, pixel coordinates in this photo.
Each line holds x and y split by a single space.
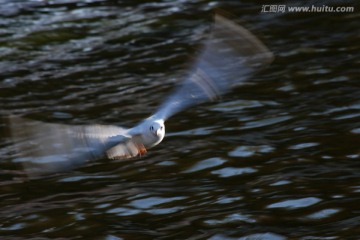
230 55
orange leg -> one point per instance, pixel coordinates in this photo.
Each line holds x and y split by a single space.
142 150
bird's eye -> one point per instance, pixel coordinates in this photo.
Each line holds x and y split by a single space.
152 128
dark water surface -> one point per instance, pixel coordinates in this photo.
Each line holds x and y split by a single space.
276 159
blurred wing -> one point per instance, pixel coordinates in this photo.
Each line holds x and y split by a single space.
229 57
48 147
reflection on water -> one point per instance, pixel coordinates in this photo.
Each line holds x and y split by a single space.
275 159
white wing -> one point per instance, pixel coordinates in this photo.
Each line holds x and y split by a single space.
49 147
230 56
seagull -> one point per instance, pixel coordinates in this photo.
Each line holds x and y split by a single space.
230 55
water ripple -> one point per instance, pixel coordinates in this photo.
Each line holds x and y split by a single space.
303 145
265 122
205 164
257 236
153 201
325 213
249 151
235 217
232 171
295 203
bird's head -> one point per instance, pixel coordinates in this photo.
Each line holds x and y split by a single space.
157 128
155 132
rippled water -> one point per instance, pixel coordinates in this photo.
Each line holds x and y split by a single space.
276 159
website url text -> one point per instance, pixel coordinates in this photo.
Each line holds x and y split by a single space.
297 9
